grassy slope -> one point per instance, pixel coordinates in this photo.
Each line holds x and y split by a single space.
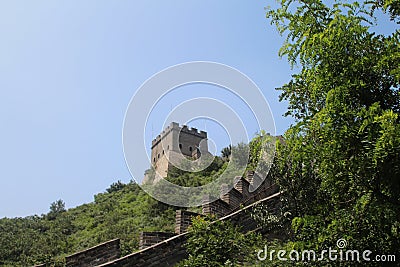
122 213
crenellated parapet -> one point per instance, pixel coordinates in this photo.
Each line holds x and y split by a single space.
193 131
165 132
176 142
175 126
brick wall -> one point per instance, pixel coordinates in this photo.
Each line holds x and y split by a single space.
166 249
217 207
166 253
232 197
94 256
242 217
148 239
171 251
183 220
242 185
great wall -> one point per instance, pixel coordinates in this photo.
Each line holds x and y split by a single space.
167 249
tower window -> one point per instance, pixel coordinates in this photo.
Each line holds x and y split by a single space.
158 156
163 152
154 160
190 149
180 146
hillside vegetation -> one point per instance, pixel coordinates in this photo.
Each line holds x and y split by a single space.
121 212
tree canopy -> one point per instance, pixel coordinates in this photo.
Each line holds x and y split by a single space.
340 165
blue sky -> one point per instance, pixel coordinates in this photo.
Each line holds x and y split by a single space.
68 70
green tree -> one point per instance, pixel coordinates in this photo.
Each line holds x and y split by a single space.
226 152
217 243
56 208
114 187
339 166
49 238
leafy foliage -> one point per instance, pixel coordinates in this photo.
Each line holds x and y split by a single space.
339 165
122 212
192 179
56 208
114 187
226 152
217 243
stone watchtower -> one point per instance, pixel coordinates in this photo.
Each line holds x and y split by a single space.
174 142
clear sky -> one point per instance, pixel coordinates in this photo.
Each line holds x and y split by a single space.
68 70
